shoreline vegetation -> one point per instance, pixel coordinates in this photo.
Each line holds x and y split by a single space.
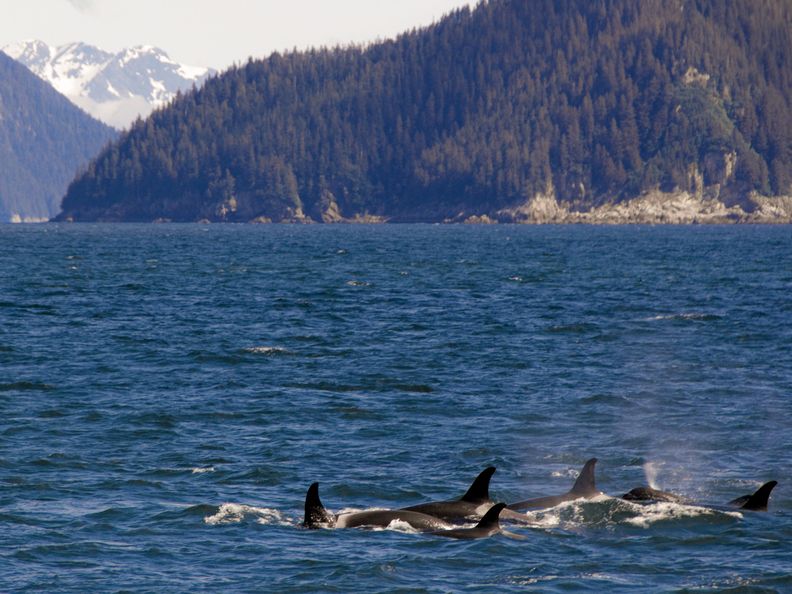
651 208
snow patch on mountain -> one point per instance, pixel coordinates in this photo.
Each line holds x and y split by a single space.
113 87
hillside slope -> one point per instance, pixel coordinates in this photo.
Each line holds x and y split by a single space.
44 139
505 112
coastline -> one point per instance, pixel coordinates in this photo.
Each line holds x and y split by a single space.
650 208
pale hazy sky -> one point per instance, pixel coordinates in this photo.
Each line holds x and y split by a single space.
215 33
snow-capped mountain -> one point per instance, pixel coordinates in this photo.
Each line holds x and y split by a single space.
114 88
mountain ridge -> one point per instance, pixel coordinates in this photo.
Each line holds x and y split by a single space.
586 104
44 139
114 87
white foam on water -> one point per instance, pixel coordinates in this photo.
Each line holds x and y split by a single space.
734 581
401 526
568 513
234 513
608 511
357 283
265 350
681 316
199 470
647 515
532 581
548 518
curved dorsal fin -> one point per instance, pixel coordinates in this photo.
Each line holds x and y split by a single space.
585 485
491 518
316 515
479 490
758 501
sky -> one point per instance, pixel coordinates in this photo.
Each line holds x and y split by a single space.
215 33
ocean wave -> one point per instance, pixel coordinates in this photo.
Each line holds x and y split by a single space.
373 386
234 513
583 328
26 387
685 317
266 350
605 512
594 576
610 399
199 470
648 515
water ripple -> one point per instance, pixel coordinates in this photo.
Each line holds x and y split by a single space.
166 403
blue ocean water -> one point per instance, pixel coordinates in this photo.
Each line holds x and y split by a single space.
168 393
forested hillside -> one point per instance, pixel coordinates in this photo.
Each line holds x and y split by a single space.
587 101
43 141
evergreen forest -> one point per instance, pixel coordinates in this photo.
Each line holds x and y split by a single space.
591 101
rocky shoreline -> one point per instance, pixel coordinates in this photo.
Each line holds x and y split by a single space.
651 208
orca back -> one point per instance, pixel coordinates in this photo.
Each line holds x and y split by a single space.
757 501
316 516
479 490
585 484
491 520
648 494
488 526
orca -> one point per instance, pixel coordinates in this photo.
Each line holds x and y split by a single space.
316 516
487 526
473 504
584 488
758 500
650 494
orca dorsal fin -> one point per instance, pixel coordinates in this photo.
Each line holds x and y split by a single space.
490 521
585 484
758 501
479 490
316 516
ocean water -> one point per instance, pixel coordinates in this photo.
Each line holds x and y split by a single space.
168 393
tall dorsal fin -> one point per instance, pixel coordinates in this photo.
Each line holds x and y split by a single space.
491 518
585 485
316 516
758 501
479 490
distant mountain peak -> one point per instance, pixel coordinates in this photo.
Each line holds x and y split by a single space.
113 87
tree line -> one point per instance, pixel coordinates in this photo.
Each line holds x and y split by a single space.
594 100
